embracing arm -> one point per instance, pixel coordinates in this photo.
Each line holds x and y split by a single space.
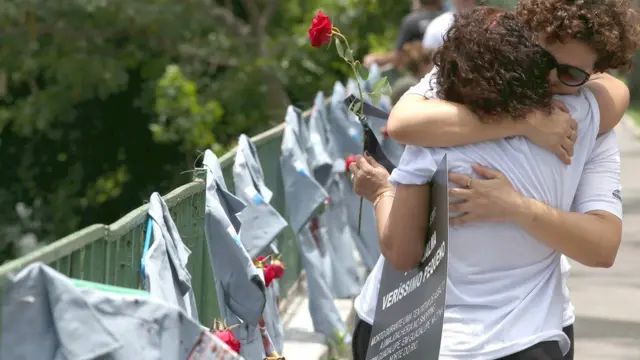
592 234
613 99
591 239
417 120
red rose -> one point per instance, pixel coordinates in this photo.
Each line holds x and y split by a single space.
278 268
320 30
269 275
228 338
349 160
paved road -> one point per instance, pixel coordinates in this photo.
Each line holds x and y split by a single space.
607 301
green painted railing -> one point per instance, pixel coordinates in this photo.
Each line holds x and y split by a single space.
110 254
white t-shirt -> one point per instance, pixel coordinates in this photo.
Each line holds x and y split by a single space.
599 189
501 280
434 35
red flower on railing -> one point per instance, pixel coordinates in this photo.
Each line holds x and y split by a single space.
224 333
271 270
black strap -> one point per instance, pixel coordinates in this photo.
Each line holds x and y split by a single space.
371 144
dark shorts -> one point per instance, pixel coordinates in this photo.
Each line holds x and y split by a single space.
546 350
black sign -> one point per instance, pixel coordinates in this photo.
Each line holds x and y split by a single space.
409 312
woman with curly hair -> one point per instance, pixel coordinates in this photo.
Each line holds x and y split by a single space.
504 294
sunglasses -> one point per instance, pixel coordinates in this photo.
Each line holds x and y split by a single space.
569 75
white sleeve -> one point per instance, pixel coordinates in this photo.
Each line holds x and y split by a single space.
425 88
599 187
433 36
416 167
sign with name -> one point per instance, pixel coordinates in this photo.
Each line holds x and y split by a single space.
410 308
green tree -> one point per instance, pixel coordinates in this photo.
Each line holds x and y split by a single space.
103 102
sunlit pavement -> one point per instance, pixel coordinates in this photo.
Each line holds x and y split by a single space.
607 301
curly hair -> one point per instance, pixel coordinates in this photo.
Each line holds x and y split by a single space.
492 64
609 26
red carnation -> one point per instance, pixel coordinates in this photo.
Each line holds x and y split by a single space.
320 30
269 275
228 338
278 268
349 160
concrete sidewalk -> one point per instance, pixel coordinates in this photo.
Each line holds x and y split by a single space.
607 301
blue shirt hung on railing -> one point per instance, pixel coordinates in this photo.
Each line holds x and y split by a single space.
239 284
333 221
46 317
348 133
261 228
261 223
304 199
166 275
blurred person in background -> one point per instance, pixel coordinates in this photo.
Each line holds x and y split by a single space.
412 28
434 33
417 62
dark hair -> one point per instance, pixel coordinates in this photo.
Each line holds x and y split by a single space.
608 26
493 65
415 56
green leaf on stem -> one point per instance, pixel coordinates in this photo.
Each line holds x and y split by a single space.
375 98
348 55
377 87
362 71
340 49
386 89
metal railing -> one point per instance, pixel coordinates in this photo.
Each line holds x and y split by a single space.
110 254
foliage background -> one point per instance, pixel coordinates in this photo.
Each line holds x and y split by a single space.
103 102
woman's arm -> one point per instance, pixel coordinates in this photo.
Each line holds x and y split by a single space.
403 235
592 234
592 239
613 99
401 221
417 120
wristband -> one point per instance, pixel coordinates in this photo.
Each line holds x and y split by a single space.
385 194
